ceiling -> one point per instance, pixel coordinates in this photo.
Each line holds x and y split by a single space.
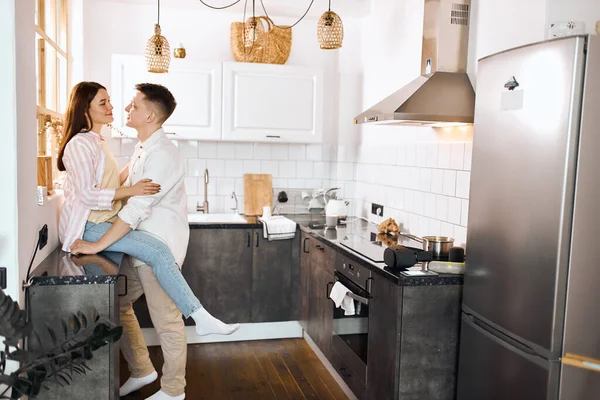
289 8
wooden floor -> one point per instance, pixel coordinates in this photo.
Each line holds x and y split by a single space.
253 370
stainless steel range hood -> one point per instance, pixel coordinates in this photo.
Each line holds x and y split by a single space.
443 94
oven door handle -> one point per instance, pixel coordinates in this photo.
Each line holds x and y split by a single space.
358 298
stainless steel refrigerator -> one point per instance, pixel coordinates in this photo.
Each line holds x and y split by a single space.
531 303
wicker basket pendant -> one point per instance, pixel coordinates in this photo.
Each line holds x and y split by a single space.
271 44
330 31
158 53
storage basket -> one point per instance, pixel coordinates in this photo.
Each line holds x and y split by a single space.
272 44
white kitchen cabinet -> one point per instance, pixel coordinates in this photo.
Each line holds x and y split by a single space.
196 85
272 103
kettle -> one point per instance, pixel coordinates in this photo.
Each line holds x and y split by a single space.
337 208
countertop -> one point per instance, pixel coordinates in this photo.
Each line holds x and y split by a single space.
61 268
333 238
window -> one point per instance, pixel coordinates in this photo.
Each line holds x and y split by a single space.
52 71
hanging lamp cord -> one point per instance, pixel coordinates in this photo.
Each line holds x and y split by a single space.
265 10
295 23
158 22
329 5
220 8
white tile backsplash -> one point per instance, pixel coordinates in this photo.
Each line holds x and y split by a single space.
262 151
463 180
244 151
314 152
297 152
216 168
225 150
233 168
280 151
457 155
444 155
424 186
287 169
251 166
270 167
305 169
188 149
207 150
195 167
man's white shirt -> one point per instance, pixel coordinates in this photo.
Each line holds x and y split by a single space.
163 215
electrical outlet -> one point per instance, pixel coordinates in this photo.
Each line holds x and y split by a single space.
376 209
3 283
43 237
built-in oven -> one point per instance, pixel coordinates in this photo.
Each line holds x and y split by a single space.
351 332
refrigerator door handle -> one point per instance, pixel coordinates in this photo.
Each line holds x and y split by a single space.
490 329
581 362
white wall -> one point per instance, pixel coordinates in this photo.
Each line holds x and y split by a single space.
8 150
31 217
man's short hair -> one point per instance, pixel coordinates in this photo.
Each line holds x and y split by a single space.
160 97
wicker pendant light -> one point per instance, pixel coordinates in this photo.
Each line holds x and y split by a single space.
158 51
330 30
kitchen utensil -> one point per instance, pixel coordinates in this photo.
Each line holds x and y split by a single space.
266 212
316 225
331 221
445 267
337 208
439 246
315 206
398 256
282 197
456 254
258 192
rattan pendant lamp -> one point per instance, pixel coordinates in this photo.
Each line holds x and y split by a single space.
158 51
330 31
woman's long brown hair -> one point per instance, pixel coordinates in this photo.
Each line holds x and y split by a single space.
76 119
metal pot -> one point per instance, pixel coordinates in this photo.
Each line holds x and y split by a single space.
439 246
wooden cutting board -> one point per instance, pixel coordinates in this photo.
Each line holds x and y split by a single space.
258 192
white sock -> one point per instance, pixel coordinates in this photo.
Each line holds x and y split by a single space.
206 324
134 384
160 395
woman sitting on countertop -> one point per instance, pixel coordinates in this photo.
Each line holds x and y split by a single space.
94 196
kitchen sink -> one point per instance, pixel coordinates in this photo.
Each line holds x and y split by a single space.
215 218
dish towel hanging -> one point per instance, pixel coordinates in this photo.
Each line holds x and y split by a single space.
341 299
278 228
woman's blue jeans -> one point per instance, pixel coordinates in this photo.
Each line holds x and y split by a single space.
156 254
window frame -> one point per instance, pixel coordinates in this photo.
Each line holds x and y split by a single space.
50 116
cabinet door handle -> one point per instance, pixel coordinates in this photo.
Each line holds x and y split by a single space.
328 290
124 276
304 245
248 235
257 239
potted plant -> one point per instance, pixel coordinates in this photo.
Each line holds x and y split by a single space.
49 361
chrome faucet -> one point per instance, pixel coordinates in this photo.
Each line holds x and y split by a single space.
204 207
233 196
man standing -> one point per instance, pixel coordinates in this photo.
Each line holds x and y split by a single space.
164 216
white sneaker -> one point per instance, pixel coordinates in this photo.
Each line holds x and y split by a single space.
160 395
134 384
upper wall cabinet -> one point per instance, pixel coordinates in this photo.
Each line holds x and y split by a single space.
272 103
196 86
